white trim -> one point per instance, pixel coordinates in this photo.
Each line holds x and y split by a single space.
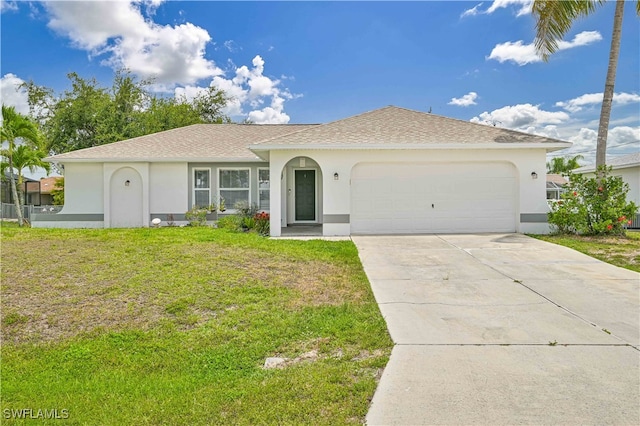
549 146
230 209
259 189
193 184
293 184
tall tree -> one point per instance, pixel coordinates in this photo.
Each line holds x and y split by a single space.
562 165
89 114
24 157
16 127
553 20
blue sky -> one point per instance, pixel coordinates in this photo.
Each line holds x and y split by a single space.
310 62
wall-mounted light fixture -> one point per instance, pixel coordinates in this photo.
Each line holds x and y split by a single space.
534 175
336 176
127 182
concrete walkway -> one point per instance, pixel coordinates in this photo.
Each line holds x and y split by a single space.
503 329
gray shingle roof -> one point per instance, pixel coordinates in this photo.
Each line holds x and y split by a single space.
622 161
386 127
399 126
625 160
219 142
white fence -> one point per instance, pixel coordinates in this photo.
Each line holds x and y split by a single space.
8 211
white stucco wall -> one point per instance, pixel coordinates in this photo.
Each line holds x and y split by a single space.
141 169
337 193
83 188
168 188
631 176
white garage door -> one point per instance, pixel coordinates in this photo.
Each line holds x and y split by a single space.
397 198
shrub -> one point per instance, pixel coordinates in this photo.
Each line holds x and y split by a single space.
232 223
246 209
262 226
593 206
197 216
248 223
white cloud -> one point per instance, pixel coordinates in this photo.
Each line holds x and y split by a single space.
268 115
231 46
584 140
624 136
523 54
620 140
8 6
524 117
475 10
12 94
118 30
465 101
249 88
577 104
523 7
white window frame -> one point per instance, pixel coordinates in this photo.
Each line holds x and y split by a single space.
260 190
195 189
230 209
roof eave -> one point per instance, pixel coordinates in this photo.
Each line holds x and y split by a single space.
549 147
592 169
157 160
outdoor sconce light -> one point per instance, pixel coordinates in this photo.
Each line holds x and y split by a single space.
336 176
534 175
127 182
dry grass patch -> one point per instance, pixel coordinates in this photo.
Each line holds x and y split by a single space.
623 251
109 281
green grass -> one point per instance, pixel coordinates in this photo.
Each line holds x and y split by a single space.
620 251
172 326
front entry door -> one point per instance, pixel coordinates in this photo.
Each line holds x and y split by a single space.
305 195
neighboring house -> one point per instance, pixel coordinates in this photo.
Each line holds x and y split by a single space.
37 193
30 187
555 186
628 168
46 185
390 170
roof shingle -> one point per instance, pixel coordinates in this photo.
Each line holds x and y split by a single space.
220 142
399 126
386 127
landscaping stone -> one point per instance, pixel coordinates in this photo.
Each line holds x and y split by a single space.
274 362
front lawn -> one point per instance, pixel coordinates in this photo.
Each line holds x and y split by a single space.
619 251
173 325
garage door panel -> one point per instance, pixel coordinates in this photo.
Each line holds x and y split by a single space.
425 198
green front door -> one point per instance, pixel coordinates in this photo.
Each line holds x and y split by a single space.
305 195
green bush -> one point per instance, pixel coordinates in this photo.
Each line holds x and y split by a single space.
248 223
593 206
197 216
231 223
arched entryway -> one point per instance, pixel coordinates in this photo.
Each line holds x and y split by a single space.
125 199
302 192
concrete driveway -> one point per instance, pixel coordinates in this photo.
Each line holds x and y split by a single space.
503 329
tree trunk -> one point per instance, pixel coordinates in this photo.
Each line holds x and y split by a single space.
607 99
14 191
20 188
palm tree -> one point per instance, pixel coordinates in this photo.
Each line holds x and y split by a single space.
24 157
562 165
16 126
553 20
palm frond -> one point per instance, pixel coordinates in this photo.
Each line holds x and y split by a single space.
554 19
